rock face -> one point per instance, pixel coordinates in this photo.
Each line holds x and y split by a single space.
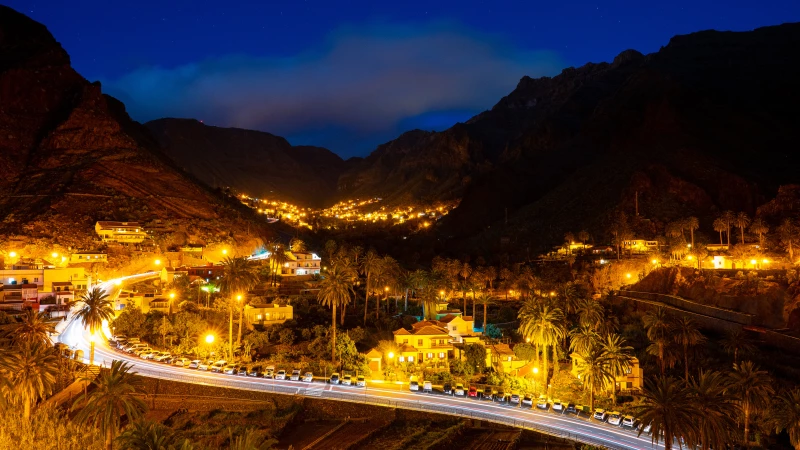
70 155
707 123
254 162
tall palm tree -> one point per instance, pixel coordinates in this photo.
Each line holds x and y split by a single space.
484 299
150 435
30 371
590 313
735 342
667 408
686 335
760 228
32 327
752 388
786 415
583 236
96 308
729 218
543 324
720 226
692 224
582 338
239 276
335 290
594 371
713 407
742 221
568 293
297 245
114 392
464 273
658 324
788 233
369 266
618 356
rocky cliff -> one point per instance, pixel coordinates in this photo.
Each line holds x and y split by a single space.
70 155
258 163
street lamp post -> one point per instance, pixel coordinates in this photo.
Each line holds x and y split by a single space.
210 342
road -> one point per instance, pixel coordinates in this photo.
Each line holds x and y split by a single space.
570 427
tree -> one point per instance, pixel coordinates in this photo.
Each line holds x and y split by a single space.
543 324
334 290
760 228
32 327
729 218
115 392
590 313
752 389
131 322
659 326
742 221
465 272
692 224
667 408
369 266
297 245
620 231
146 434
788 233
735 342
618 356
786 415
96 309
29 370
475 357
582 339
686 335
713 407
583 236
594 371
720 226
239 276
484 299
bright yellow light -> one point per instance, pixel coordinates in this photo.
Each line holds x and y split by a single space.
158 262
386 289
118 282
441 293
93 337
688 245
224 251
13 254
171 295
627 275
552 294
238 298
689 257
765 261
655 261
535 370
391 355
54 255
210 339
528 340
753 262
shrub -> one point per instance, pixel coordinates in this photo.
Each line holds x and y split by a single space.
286 337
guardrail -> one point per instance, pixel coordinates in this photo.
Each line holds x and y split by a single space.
692 306
374 400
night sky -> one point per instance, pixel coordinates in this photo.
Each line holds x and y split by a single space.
351 75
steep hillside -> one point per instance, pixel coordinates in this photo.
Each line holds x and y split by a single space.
70 155
258 163
708 122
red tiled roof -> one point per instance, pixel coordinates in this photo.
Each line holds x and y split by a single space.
401 331
429 331
448 318
425 323
405 348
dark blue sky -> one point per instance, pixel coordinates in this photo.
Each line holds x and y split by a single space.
350 75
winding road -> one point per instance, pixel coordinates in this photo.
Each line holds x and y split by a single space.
566 426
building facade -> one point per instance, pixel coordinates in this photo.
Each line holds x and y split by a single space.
268 314
121 232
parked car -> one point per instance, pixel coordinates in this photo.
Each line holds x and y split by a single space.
615 418
243 371
514 400
427 387
628 422
281 375
256 371
194 364
447 389
646 428
132 348
571 409
182 362
219 365
163 357
269 372
295 375
119 337
205 365
473 392
413 385
542 402
229 369
501 396
308 377
149 354
600 414
558 406
347 380
527 400
487 393
334 378
459 390
361 381
143 351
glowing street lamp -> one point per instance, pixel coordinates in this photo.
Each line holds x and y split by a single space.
209 339
655 261
391 355
158 262
224 251
627 275
12 254
54 255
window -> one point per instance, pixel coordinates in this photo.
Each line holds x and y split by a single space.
441 355
454 328
402 359
628 371
410 359
405 341
36 280
259 317
430 355
509 359
419 342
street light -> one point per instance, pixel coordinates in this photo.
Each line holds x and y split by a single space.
627 275
54 255
13 254
158 262
209 339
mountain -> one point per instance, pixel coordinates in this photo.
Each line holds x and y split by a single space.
71 155
709 122
257 163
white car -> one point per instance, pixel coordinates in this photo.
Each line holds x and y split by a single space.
600 414
204 365
647 428
163 356
296 375
542 402
558 406
361 381
195 364
527 400
182 362
414 385
334 378
270 372
628 422
219 365
281 375
427 387
308 377
135 347
459 391
614 418
347 380
230 369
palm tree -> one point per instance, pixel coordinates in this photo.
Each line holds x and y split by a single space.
583 236
742 221
465 272
297 245
239 276
692 224
713 406
788 233
30 372
786 415
736 342
618 356
720 226
96 308
543 324
334 290
115 392
667 408
146 434
686 335
590 313
582 338
760 228
594 371
32 327
369 266
659 327
729 218
752 388
484 299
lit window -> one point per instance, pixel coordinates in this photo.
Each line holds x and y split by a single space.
419 342
410 359
402 359
441 355
405 341
430 355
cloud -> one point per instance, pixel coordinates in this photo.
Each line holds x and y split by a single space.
365 82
